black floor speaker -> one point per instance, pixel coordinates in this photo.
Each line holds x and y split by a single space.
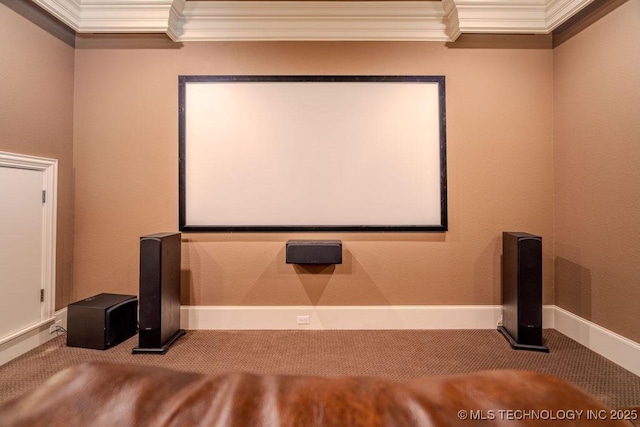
522 291
159 316
101 321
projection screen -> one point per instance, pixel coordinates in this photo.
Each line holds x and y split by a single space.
312 153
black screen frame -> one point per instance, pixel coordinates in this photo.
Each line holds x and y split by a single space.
184 80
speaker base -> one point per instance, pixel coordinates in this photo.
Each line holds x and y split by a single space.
159 350
517 346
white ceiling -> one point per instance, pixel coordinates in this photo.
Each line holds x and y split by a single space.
200 20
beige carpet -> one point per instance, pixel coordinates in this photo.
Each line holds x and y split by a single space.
397 355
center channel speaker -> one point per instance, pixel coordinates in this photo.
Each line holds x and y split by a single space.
159 300
314 252
522 291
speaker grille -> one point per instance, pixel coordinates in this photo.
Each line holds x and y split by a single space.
529 283
159 288
314 252
522 287
150 283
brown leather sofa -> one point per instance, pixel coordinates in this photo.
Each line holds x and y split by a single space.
97 395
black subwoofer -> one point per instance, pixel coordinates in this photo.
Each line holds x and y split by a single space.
522 291
101 321
159 318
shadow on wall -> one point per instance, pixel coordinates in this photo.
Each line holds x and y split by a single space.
315 278
573 287
487 272
194 261
186 287
315 284
42 19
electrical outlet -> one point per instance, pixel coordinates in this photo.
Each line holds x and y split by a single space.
55 326
303 320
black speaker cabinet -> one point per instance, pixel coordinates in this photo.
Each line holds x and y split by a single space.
314 252
101 321
522 291
159 322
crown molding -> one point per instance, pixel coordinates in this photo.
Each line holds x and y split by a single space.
501 16
115 16
514 16
307 20
414 20
111 16
560 11
67 11
451 19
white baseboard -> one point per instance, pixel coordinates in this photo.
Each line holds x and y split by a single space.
33 337
340 317
606 343
347 317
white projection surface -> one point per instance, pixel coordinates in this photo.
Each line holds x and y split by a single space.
314 154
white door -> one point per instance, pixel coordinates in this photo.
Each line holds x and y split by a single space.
21 248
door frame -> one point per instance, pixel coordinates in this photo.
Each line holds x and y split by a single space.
49 168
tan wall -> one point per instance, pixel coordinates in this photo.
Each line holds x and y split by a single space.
597 153
499 128
36 113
